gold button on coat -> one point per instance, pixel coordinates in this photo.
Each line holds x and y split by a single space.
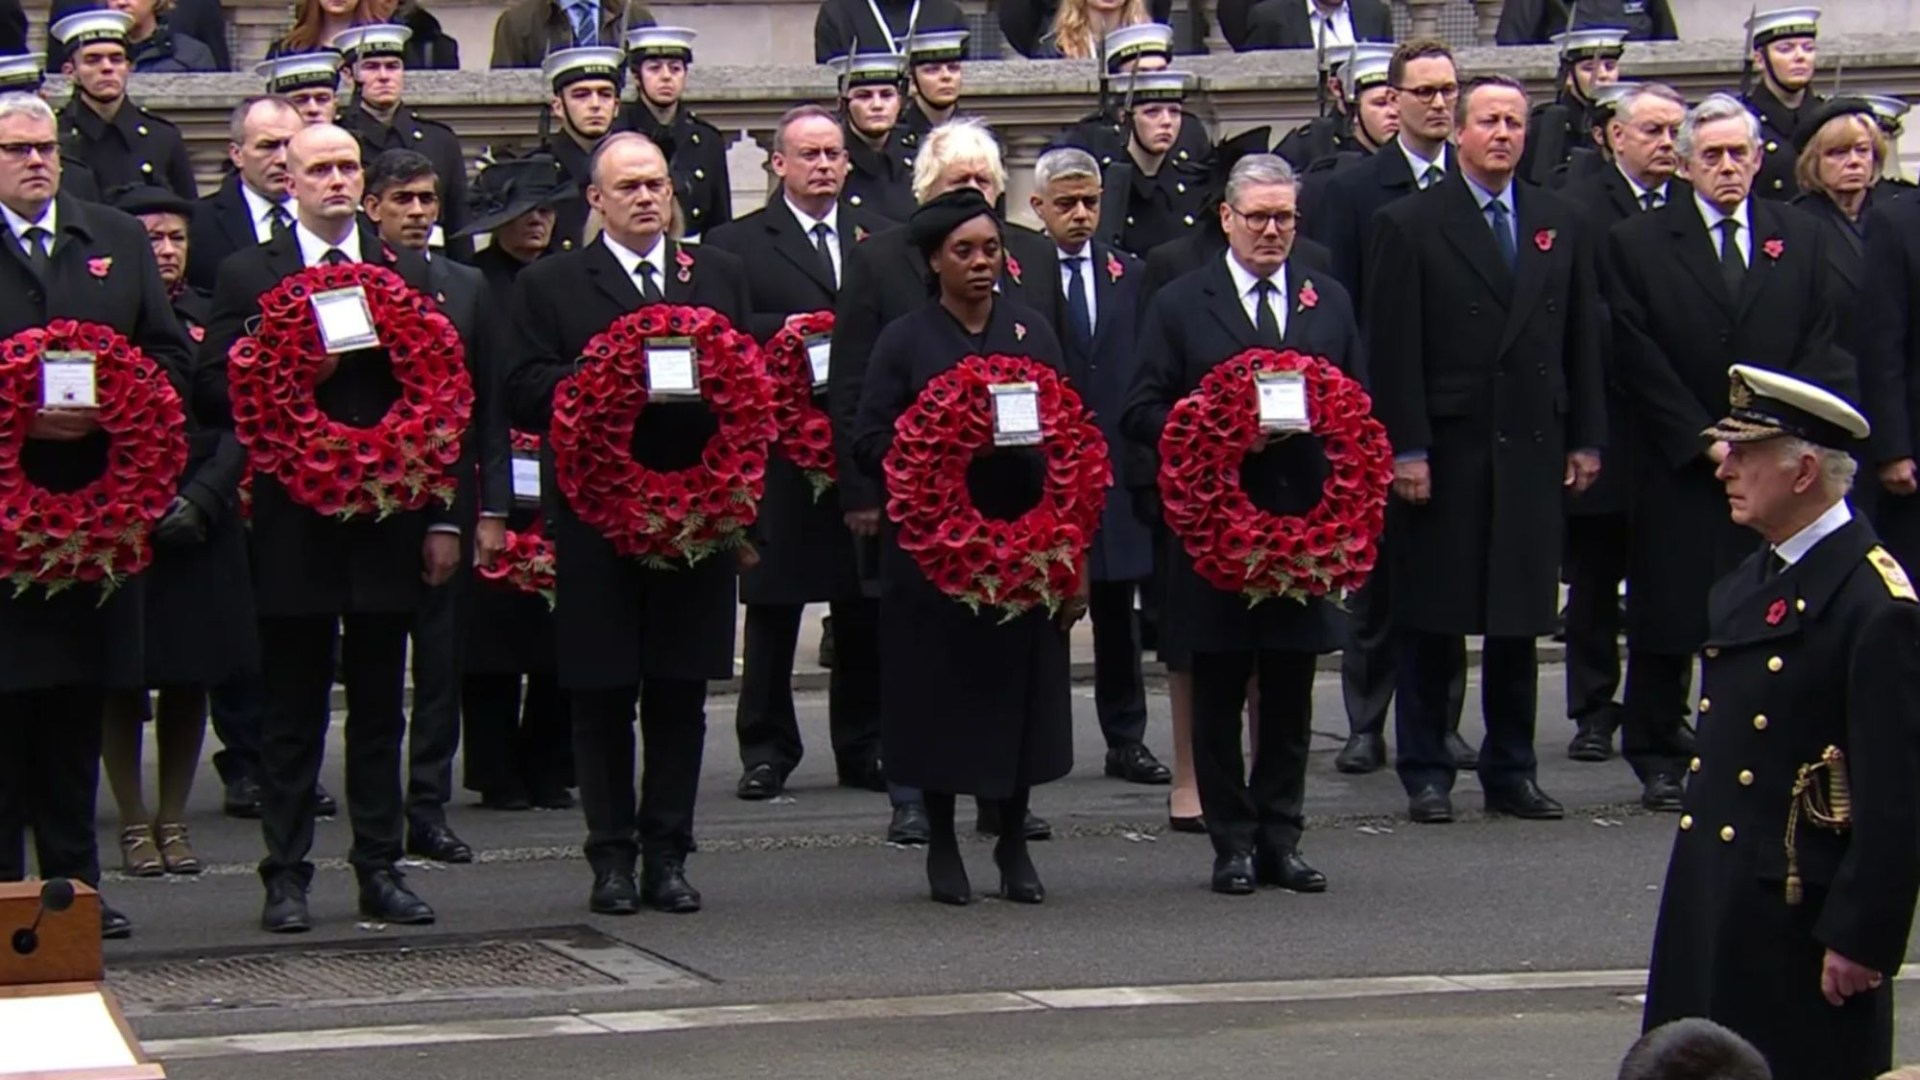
1760 722
1713 651
1746 777
1705 704
1726 834
1694 765
1686 822
1774 663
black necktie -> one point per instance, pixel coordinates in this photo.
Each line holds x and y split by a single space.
1503 232
1649 200
822 237
1431 176
1266 327
335 257
1079 311
38 256
282 221
1775 566
1731 268
649 289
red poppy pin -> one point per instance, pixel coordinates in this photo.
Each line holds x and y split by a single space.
1309 299
1774 248
1114 269
1019 331
1013 268
101 266
387 254
685 262
1544 239
197 333
1776 611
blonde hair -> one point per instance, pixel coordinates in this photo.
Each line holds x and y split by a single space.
1073 26
1839 131
965 140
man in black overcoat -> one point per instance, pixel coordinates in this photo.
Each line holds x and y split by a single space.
1790 893
795 250
315 575
1716 277
1534 22
1890 371
1282 24
627 632
1482 315
382 121
252 202
64 652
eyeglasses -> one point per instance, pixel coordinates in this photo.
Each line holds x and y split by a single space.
1259 220
1428 94
21 151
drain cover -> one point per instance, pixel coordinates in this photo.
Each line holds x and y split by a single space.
544 962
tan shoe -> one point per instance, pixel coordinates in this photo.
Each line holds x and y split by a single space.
138 855
176 852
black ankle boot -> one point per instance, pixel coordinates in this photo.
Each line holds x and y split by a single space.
946 872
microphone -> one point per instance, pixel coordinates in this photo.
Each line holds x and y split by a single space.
55 896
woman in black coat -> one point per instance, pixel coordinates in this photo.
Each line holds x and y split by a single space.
969 703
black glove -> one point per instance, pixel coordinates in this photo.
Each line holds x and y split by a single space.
183 525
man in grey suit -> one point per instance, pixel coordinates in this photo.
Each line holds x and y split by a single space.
403 201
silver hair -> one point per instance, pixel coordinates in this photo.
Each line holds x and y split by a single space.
1714 108
28 105
1259 169
1624 107
1837 467
1065 163
795 115
966 140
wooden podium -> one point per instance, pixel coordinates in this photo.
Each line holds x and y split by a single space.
58 1021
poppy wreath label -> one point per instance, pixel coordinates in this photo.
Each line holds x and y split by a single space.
526 564
805 432
99 533
1235 545
664 518
1014 566
336 469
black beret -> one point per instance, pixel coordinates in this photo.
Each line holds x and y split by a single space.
930 225
137 199
1831 109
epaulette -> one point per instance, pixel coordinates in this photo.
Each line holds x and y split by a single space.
1892 574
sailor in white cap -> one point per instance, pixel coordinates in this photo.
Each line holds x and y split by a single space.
1161 190
311 80
1362 117
934 74
376 62
122 142
1561 130
586 101
696 150
1783 50
872 97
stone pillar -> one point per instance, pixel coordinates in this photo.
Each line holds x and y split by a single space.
1024 146
750 168
254 29
1486 14
1425 15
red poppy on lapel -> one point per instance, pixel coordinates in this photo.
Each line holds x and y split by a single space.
1309 299
100 267
197 333
1114 268
685 262
1019 331
1544 239
387 254
1013 268
1774 248
1776 611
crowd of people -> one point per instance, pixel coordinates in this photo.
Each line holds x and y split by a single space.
1609 338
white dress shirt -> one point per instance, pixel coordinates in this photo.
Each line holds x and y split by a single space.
1640 193
20 225
832 222
1339 25
1795 547
1742 237
1086 278
313 250
260 212
630 261
1418 164
1246 286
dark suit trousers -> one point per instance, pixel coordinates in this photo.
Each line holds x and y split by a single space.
1596 564
764 717
1656 706
236 709
1119 692
1265 809
49 775
673 728
1430 665
433 734
297 665
516 743
1369 664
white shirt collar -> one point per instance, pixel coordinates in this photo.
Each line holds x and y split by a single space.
313 249
20 225
1339 21
1244 281
630 259
259 206
1713 216
1795 547
808 221
1419 164
1640 192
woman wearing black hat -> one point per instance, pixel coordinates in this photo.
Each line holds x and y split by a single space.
969 704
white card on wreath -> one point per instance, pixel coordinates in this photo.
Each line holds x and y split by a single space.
1016 414
670 369
526 478
345 320
820 358
67 382
1283 401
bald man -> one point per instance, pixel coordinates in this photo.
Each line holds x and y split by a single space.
316 576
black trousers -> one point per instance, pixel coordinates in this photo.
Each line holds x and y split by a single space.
1430 665
1119 691
297 665
433 730
1265 810
764 719
49 777
237 710
1370 662
515 742
673 729
1658 685
1596 563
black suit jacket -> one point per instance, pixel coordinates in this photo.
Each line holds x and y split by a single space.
842 24
1889 344
463 294
221 226
1285 24
784 272
1345 218
1533 22
437 141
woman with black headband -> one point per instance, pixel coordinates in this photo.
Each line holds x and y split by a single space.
970 703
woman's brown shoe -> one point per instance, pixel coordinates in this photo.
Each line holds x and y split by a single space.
138 855
176 852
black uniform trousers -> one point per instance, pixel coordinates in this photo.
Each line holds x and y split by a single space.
1119 691
1431 665
49 776
297 666
433 729
1369 663
673 729
765 721
1656 706
1265 810
517 744
236 708
1595 565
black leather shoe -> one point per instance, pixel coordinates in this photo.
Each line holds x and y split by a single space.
664 887
434 840
242 799
286 908
113 925
1430 806
909 826
1289 871
615 892
759 783
384 897
323 802
863 775
1592 742
510 800
1362 754
1195 824
558 798
1663 794
1233 874
988 823
1524 800
1465 758
1136 764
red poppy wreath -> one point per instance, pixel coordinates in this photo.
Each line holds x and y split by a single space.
526 565
1033 560
805 433
330 467
1235 545
98 533
685 515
